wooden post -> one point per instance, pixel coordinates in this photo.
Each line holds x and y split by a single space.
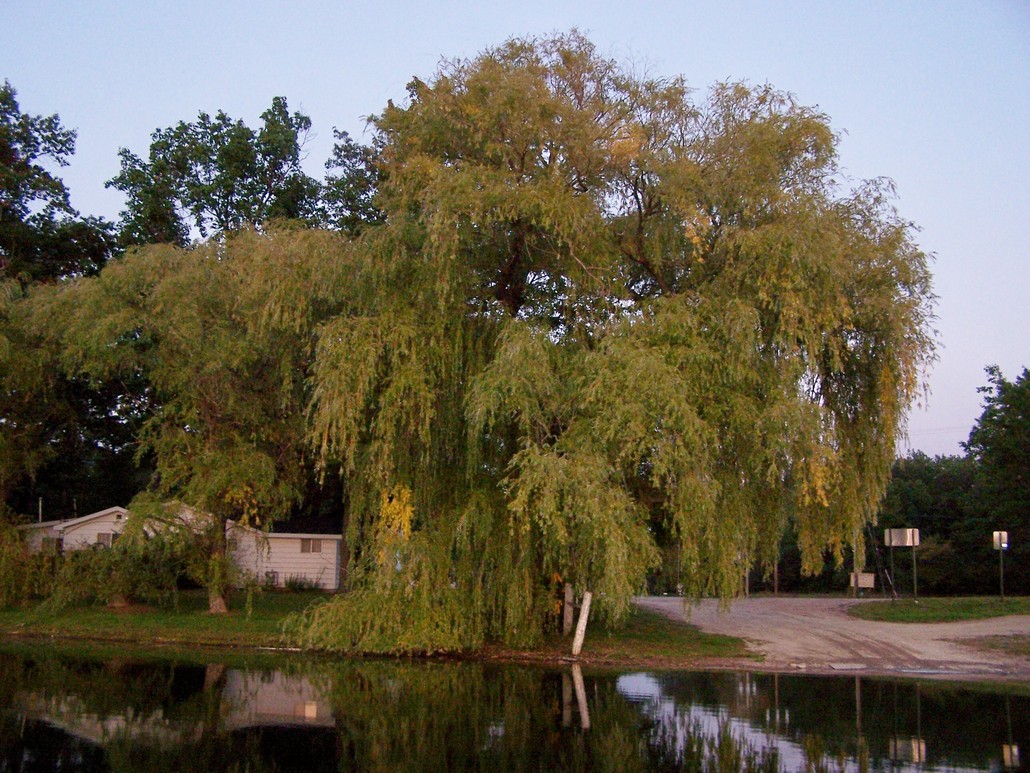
581 626
566 700
568 611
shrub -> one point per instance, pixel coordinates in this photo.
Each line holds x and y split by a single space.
298 582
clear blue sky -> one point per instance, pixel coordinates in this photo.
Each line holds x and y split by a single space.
935 95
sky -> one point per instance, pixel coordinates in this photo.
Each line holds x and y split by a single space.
934 95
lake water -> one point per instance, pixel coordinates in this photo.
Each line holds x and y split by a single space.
130 711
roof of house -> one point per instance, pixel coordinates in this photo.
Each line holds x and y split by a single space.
39 525
63 523
72 523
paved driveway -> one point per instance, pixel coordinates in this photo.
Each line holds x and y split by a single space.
817 634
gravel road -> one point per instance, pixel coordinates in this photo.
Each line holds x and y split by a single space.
817 635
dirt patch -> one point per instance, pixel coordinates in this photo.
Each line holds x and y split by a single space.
817 635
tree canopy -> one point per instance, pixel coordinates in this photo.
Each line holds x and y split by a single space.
217 175
42 237
586 316
599 311
1000 442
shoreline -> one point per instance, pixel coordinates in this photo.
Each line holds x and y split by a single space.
783 635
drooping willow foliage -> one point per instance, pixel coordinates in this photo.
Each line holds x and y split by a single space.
599 316
599 311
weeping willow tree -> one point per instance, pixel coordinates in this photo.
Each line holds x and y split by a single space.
598 311
223 335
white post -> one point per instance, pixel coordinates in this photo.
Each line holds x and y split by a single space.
581 626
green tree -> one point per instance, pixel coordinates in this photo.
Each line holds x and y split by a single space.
352 179
216 175
224 334
53 432
64 440
597 311
1000 444
937 495
41 236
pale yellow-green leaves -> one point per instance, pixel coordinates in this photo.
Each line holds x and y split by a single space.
631 320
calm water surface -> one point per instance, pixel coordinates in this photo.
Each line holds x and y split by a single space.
61 710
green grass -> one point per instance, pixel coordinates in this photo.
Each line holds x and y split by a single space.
190 624
647 638
940 610
1013 645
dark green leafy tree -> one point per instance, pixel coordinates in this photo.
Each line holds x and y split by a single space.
55 433
1000 444
938 496
42 237
599 311
215 175
352 179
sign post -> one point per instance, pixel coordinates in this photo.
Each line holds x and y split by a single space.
1001 544
904 538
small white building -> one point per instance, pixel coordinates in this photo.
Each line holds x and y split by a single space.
100 528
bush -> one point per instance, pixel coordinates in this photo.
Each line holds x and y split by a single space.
24 575
136 568
297 583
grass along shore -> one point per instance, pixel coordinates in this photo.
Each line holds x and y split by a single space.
940 609
646 638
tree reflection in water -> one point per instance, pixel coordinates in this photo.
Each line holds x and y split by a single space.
59 711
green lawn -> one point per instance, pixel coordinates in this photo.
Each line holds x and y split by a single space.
940 610
190 624
647 637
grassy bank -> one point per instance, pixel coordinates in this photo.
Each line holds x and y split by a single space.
647 638
940 610
188 625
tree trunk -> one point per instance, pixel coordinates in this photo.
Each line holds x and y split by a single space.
217 580
344 556
568 611
216 603
581 626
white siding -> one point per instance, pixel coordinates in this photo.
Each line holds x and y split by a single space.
260 554
81 535
37 532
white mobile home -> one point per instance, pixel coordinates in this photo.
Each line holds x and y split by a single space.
269 558
100 528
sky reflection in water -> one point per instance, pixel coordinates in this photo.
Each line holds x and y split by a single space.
130 712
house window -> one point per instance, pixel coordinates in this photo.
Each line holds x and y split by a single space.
105 538
311 546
